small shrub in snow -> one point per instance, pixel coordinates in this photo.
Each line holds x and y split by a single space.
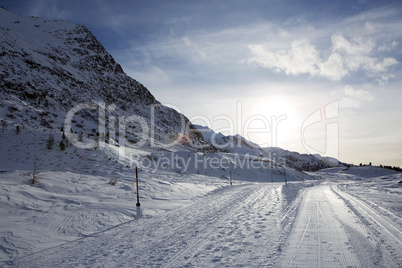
62 146
113 181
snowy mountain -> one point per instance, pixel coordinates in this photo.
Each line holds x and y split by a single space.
231 143
305 162
294 160
58 80
47 67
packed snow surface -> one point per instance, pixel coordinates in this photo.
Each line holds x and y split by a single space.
70 219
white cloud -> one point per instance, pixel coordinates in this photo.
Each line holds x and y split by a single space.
383 79
301 58
152 77
369 27
352 98
388 47
284 34
333 68
345 56
357 45
193 50
360 94
48 9
356 54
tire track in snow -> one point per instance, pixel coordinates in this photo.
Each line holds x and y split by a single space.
301 240
384 231
393 231
200 240
219 236
317 238
183 228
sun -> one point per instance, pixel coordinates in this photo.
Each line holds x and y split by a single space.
275 105
277 115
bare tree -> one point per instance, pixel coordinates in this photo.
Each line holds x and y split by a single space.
50 142
3 124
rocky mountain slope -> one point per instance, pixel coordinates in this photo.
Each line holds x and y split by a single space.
47 67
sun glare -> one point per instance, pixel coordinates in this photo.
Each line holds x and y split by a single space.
275 105
279 112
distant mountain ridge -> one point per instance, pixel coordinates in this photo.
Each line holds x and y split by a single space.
237 143
226 143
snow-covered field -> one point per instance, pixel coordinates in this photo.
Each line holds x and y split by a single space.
191 217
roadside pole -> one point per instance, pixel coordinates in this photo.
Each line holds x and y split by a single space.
284 171
136 181
272 171
230 177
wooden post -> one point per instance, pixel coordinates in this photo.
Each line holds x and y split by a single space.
136 181
272 178
34 171
284 171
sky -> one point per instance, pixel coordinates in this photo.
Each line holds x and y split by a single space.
307 76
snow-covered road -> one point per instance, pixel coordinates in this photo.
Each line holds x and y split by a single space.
231 226
318 238
247 225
